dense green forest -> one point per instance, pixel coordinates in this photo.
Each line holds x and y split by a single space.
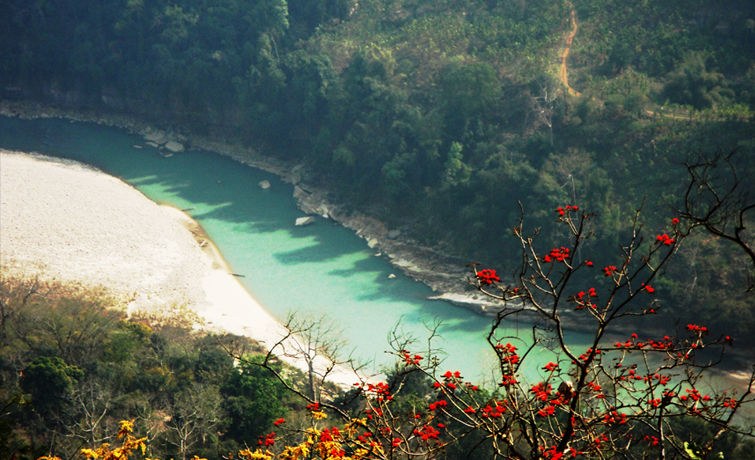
435 116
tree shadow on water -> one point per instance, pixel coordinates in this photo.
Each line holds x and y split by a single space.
213 187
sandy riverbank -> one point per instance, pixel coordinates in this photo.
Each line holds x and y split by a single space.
444 274
75 223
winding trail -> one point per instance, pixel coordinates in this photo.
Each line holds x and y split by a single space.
563 74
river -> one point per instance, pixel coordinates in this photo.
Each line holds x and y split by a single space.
321 270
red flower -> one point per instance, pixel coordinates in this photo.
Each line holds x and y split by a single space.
561 211
648 288
550 410
664 239
674 221
487 277
279 421
558 254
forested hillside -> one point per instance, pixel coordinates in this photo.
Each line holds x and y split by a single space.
435 116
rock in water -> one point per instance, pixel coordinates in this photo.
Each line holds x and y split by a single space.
302 221
264 185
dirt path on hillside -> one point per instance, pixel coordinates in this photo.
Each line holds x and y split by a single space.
563 73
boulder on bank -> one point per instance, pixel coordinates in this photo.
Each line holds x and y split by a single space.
157 137
175 147
302 221
300 193
296 174
393 234
264 185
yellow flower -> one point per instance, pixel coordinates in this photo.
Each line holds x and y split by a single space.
294 453
126 427
256 455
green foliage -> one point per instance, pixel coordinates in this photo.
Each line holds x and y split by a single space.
253 400
50 381
470 91
72 367
456 171
693 85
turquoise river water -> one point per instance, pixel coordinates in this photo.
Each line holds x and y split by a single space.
322 269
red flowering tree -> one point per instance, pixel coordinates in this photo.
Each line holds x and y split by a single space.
612 399
617 397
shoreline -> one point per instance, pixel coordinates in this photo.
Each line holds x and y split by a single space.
446 275
364 227
60 222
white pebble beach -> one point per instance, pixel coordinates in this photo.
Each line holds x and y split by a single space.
72 222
